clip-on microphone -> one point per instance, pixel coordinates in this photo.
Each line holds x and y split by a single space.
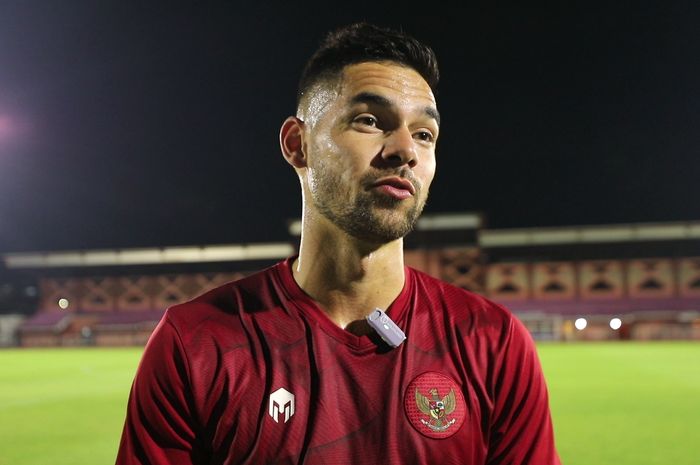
386 328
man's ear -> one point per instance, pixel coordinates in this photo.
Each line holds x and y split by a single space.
292 142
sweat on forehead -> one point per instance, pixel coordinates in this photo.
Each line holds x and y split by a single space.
354 77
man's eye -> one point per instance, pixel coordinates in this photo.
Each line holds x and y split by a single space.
424 136
366 121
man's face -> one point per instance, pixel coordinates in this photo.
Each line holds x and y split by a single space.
371 150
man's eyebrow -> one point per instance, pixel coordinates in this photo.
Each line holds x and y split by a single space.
371 98
433 113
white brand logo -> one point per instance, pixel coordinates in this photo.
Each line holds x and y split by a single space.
281 401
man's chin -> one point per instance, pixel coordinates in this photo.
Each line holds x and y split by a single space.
376 221
387 226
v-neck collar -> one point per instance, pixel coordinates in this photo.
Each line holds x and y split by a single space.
305 304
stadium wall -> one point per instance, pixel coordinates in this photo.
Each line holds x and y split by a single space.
644 276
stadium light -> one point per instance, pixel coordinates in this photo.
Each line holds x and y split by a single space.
580 323
615 323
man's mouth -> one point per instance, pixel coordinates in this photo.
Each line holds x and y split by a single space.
394 186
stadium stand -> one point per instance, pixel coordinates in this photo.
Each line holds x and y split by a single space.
645 275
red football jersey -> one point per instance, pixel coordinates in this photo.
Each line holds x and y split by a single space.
254 372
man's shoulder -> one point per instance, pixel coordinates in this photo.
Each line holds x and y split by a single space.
458 301
249 293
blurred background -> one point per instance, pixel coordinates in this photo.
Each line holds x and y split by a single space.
139 167
156 125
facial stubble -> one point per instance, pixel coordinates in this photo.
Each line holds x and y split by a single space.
368 215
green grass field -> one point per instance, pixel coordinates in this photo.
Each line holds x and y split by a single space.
613 403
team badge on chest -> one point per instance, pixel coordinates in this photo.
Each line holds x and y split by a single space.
434 405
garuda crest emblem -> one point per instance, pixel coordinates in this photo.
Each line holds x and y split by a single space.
437 409
434 405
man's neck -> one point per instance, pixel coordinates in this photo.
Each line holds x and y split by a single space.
348 278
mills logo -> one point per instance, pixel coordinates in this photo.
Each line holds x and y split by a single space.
281 402
434 405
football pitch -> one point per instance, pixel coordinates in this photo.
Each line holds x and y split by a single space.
613 403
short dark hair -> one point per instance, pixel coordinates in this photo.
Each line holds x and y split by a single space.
363 42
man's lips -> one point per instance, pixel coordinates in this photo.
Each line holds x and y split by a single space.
395 187
397 183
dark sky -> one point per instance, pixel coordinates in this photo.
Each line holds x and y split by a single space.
125 125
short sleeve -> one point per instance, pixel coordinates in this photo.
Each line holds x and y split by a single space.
521 428
160 426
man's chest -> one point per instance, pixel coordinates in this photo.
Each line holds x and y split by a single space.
315 401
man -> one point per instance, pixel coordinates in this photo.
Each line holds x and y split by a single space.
284 367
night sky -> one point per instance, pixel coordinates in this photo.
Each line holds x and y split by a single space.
144 126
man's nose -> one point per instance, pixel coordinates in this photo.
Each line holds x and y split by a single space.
400 148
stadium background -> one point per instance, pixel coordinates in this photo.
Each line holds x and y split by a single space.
137 170
619 393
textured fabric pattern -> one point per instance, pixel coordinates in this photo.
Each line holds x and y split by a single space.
254 372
